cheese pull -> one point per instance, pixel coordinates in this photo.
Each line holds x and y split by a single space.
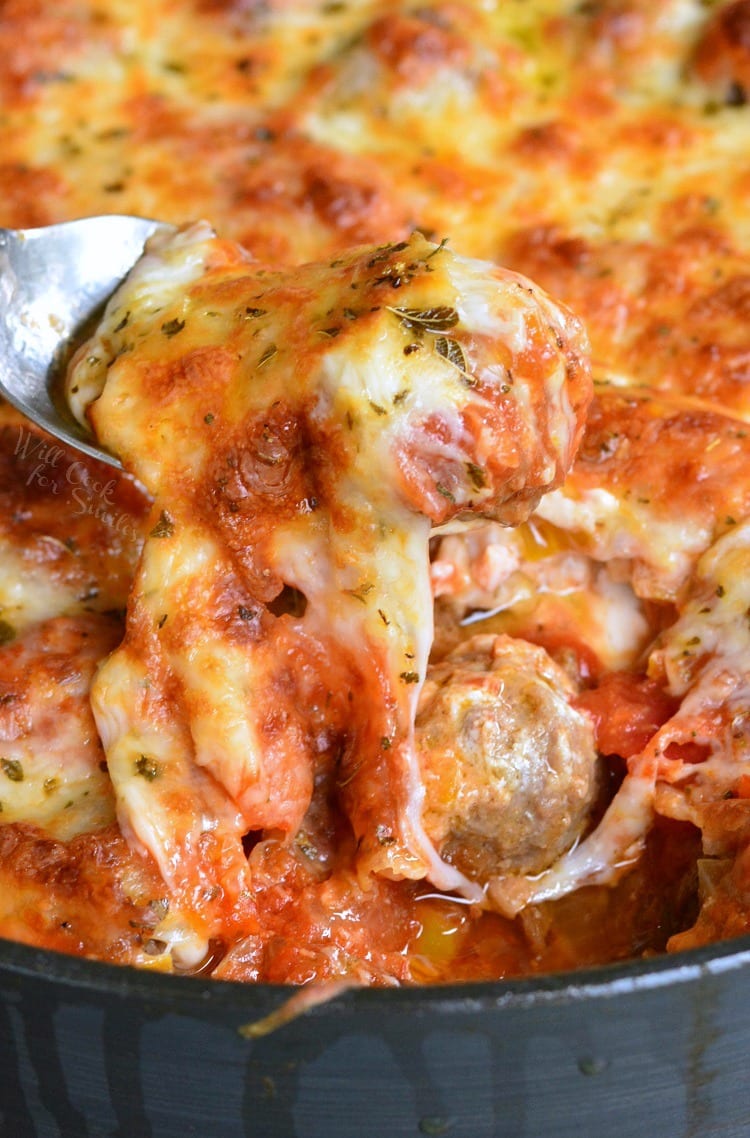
302 433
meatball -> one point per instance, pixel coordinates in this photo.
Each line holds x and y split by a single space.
509 766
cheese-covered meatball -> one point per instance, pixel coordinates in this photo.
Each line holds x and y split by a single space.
509 766
304 429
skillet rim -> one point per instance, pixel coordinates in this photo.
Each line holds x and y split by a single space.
186 994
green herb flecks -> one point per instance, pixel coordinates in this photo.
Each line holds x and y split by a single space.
477 475
361 593
435 319
7 632
146 767
452 352
164 527
438 249
12 769
268 355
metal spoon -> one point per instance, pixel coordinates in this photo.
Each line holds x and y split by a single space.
53 280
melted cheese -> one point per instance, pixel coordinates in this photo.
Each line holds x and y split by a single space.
302 431
51 770
300 130
712 630
704 657
27 594
616 509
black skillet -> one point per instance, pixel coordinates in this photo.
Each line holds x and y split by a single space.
648 1049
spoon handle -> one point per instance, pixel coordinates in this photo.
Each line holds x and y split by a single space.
52 281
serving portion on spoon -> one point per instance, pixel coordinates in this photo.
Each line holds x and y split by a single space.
53 281
301 432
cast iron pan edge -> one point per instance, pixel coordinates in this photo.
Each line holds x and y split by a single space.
640 1049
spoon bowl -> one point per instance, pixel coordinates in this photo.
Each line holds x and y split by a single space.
53 281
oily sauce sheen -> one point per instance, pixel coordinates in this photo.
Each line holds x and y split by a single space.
601 149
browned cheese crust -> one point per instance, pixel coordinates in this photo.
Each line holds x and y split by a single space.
603 150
